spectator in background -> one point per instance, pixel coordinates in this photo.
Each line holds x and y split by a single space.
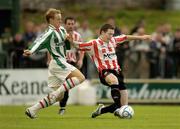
39 59
16 51
140 23
167 34
96 35
7 35
39 29
111 21
3 56
169 62
5 41
153 55
85 31
76 26
138 57
125 45
86 34
29 35
165 62
125 30
176 52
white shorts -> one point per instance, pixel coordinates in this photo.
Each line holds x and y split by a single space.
57 75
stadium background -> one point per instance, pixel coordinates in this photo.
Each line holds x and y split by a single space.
23 82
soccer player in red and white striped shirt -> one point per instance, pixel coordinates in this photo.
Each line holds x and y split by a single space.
73 55
102 52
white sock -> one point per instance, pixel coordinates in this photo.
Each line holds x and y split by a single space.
68 84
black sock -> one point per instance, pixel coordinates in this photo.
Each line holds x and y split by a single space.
63 102
111 108
115 93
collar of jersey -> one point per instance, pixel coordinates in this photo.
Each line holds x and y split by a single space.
103 43
51 26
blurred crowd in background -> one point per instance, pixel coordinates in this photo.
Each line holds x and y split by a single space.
159 58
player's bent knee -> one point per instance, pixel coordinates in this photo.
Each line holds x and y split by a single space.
111 79
113 82
82 78
76 73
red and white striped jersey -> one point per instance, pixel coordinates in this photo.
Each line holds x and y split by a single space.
103 54
71 53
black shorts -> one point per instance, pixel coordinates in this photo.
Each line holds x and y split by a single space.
119 76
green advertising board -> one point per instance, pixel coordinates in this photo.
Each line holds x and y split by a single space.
144 91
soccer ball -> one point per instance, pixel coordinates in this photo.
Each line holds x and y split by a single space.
125 112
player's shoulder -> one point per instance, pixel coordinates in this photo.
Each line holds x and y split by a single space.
50 28
48 31
93 41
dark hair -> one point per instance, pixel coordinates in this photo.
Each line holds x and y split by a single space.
105 27
69 18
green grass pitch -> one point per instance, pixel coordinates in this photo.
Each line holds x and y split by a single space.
78 117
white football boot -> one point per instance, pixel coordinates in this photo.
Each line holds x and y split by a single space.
97 112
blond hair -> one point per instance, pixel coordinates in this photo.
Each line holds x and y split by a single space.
51 13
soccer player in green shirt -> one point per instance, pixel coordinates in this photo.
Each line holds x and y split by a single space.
61 75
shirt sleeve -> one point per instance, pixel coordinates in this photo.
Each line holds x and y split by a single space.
120 38
40 42
84 46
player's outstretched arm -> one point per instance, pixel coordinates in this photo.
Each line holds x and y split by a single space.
83 46
136 37
69 37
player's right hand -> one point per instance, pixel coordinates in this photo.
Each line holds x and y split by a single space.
27 53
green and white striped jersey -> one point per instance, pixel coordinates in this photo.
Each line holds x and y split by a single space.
52 40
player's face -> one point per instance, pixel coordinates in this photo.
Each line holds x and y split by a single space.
70 24
56 21
109 34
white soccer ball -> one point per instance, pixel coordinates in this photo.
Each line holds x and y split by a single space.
125 111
